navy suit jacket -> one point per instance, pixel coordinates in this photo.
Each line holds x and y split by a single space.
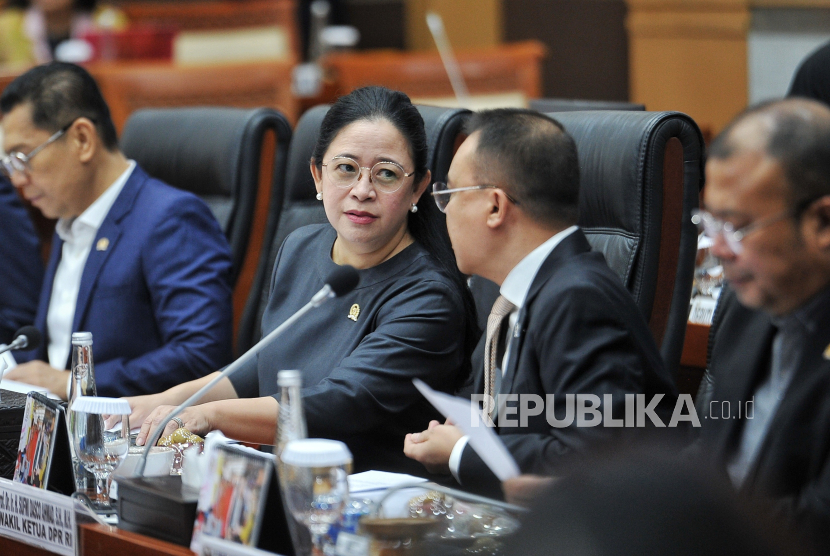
578 332
155 291
20 264
793 463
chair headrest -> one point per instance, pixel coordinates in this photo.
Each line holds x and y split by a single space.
196 149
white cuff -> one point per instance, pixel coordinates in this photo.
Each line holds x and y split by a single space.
455 456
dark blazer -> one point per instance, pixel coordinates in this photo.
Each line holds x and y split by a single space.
22 268
793 465
155 291
579 331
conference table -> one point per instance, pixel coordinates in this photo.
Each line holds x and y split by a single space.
103 540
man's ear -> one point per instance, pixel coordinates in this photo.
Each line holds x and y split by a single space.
84 136
499 208
820 223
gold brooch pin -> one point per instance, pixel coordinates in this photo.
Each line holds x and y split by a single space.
102 244
354 312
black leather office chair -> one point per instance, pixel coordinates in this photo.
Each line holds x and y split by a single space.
216 153
546 105
641 175
300 207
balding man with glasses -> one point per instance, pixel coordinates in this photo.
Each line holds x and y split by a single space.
143 266
766 420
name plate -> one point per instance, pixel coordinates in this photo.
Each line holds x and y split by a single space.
703 309
37 517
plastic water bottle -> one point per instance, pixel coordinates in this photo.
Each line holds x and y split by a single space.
82 383
291 426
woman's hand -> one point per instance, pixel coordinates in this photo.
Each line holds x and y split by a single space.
193 419
142 406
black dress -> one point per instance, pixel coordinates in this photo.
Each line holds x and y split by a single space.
359 353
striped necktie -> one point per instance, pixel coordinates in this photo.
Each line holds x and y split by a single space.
501 308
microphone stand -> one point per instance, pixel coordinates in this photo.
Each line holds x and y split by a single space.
319 298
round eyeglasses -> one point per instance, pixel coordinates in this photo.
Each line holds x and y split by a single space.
386 176
712 227
441 193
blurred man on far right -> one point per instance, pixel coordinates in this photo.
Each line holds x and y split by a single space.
767 207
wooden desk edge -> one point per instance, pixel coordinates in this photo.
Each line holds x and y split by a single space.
106 540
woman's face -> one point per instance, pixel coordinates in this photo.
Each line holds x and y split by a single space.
368 221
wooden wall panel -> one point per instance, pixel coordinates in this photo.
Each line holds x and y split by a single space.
469 23
690 56
586 40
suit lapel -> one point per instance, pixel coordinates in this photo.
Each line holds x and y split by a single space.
572 245
738 387
105 243
809 380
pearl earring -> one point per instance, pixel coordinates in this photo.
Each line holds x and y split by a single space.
414 208
319 196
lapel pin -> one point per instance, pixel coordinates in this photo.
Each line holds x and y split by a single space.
354 312
827 352
102 244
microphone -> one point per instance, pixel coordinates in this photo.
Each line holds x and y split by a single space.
342 280
26 338
439 34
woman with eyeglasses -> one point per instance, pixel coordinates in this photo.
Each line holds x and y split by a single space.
411 315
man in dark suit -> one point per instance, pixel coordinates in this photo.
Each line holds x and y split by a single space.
563 325
143 266
767 199
21 264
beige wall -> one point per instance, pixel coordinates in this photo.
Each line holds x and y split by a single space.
691 56
469 23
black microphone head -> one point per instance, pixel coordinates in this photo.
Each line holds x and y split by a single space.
343 280
32 337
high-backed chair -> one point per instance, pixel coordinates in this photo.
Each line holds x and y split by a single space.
641 175
580 105
299 206
233 159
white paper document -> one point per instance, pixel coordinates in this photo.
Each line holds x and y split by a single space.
379 480
484 441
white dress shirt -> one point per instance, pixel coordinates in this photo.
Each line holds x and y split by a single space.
77 235
515 289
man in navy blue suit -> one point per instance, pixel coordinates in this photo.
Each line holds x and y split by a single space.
20 263
143 266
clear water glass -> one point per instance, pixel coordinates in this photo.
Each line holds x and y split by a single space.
100 451
314 484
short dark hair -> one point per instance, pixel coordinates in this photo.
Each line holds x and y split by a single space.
59 93
798 138
531 157
427 225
